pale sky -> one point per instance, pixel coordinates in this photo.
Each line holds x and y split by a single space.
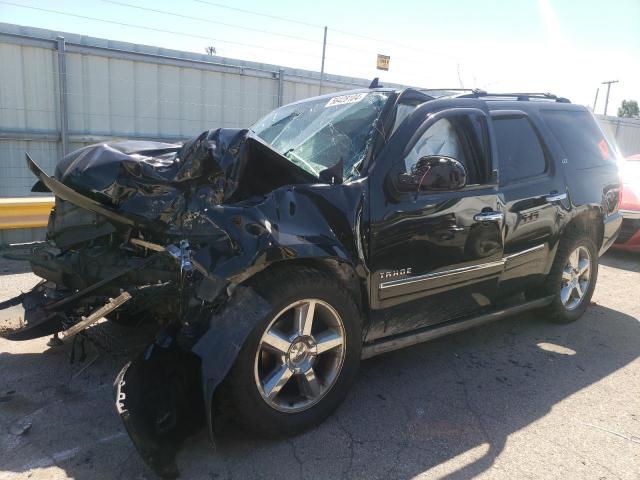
567 47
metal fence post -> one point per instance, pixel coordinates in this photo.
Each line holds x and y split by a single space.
62 96
280 86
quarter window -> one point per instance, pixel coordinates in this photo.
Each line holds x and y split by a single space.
519 150
580 137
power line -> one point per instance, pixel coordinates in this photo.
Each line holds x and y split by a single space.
391 42
174 32
152 29
191 35
206 20
295 37
343 32
260 14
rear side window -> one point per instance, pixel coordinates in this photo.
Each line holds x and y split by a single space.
519 151
580 137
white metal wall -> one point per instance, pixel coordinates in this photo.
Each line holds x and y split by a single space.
625 131
115 90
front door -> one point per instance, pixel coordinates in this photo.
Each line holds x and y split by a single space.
434 255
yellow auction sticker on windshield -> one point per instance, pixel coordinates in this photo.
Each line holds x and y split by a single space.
344 99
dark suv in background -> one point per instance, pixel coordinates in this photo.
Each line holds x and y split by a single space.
337 228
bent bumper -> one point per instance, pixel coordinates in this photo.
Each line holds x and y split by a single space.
25 317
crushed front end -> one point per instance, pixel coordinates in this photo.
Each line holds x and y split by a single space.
140 232
171 234
168 234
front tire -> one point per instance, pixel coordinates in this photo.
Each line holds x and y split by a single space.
298 363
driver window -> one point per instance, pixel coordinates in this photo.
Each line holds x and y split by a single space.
458 136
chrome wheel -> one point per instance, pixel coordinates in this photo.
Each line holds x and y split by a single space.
300 355
576 276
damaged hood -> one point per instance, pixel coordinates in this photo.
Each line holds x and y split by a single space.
158 181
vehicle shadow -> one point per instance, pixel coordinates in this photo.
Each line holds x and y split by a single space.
9 266
446 407
443 409
629 261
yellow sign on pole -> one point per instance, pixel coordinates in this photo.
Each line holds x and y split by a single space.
383 62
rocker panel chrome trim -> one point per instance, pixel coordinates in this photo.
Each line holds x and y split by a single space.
397 342
436 275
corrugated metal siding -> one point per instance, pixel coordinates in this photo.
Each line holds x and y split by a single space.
27 102
109 96
27 87
116 89
625 132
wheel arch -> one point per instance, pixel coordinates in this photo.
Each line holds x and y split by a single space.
342 271
588 220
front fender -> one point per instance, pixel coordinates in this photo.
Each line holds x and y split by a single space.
292 223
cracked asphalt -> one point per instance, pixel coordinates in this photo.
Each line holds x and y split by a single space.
520 398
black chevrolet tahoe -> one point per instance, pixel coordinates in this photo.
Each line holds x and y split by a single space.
273 259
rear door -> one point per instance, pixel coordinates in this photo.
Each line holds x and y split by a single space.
532 189
434 255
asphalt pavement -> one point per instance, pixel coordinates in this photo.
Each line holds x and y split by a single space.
519 398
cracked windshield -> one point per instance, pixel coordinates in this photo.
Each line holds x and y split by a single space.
317 134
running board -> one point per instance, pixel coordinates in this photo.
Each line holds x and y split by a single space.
403 340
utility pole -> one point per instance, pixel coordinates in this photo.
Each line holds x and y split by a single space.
606 102
324 49
595 102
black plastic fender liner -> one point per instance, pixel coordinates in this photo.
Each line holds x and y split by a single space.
159 400
218 348
165 394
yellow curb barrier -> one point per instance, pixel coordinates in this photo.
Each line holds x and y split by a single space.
28 212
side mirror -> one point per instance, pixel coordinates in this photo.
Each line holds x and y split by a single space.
436 172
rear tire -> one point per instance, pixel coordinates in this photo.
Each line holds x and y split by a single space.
310 369
572 279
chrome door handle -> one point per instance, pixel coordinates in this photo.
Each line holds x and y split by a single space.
488 216
555 197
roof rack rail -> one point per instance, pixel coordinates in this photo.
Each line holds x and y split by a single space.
519 96
448 90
